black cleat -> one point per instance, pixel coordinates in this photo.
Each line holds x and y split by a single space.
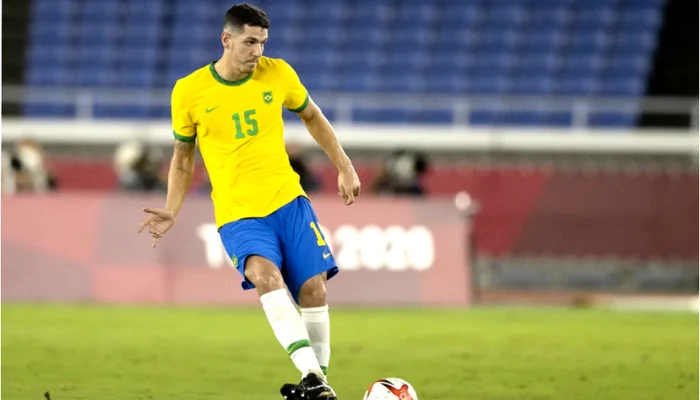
316 388
290 391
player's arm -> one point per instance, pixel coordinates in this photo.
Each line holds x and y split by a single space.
322 131
298 101
180 175
160 220
182 162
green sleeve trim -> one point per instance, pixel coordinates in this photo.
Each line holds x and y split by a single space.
187 139
301 107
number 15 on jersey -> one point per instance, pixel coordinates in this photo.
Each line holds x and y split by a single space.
250 122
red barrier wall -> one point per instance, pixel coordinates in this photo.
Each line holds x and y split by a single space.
84 247
537 211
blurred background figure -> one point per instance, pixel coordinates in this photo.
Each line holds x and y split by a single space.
139 167
26 169
402 174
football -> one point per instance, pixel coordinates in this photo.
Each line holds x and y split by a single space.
390 389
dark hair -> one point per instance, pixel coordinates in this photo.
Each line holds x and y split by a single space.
246 14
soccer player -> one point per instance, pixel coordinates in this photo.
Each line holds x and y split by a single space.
233 108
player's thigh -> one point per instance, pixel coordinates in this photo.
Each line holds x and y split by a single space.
246 238
304 248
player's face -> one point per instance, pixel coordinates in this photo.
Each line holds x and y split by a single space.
245 47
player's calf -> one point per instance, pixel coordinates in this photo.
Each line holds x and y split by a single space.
286 323
314 313
313 292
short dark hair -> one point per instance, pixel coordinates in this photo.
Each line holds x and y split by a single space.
246 14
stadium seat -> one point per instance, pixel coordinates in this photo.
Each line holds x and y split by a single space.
453 47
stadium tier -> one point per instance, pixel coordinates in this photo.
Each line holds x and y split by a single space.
448 47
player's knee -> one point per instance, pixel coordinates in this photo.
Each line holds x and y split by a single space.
264 274
313 292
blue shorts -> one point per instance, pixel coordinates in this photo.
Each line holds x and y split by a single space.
290 238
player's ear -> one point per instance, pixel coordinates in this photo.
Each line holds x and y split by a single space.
226 40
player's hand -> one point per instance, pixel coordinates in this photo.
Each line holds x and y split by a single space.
158 221
348 185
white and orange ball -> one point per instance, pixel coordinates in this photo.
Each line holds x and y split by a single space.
390 389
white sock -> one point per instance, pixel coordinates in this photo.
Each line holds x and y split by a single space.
289 329
318 326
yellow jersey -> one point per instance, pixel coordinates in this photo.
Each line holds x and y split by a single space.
240 132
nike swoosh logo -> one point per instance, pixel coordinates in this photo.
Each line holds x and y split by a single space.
326 255
208 110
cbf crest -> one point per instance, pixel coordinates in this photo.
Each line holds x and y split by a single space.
267 97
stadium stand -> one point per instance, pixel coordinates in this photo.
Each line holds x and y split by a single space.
457 47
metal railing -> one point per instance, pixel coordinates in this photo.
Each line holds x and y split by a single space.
343 104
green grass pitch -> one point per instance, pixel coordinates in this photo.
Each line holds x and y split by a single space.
133 353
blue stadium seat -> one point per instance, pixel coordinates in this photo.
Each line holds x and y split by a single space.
368 61
508 15
399 115
583 64
463 14
621 85
631 18
484 83
597 4
375 14
99 33
485 117
402 82
520 118
118 111
633 42
455 40
49 110
498 39
557 118
552 16
417 13
146 12
358 82
536 63
527 84
96 10
593 41
323 36
542 40
53 32
405 62
494 63
412 37
323 82
612 119
456 47
452 84
60 75
595 18
635 63
61 10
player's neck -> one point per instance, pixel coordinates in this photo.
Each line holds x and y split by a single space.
228 72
